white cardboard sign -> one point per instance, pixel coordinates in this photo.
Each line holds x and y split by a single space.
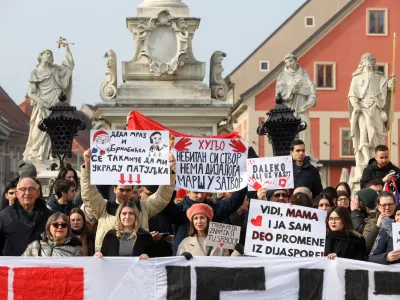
210 164
222 235
396 235
270 172
278 229
130 157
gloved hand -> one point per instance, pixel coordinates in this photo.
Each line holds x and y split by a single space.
188 255
239 248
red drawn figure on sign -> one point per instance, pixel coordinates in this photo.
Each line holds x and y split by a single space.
257 221
254 184
282 182
102 142
238 146
182 144
155 140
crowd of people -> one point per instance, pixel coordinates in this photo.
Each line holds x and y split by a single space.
80 219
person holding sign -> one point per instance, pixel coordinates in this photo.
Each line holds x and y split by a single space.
341 239
98 209
200 215
382 252
127 238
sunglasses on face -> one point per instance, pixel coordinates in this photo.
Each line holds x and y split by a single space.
58 225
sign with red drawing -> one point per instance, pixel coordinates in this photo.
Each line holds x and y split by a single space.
222 235
270 172
210 164
280 229
129 157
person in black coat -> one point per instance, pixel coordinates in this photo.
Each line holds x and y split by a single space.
127 238
79 229
379 167
63 199
304 173
341 239
24 220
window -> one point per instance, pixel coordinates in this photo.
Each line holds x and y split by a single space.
264 66
383 67
309 21
325 75
377 21
346 143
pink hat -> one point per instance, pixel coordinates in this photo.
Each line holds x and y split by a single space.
200 208
98 133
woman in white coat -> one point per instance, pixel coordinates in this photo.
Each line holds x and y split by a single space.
200 215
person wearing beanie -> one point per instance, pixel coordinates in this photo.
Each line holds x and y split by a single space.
386 207
27 170
362 208
382 251
200 216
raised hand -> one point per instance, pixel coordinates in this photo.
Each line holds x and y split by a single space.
238 146
87 155
182 144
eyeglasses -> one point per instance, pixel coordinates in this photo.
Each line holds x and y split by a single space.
29 189
58 225
343 200
283 195
333 219
386 205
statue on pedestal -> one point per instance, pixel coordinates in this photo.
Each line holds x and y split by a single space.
46 83
369 106
299 93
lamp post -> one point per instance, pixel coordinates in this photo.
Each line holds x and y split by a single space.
281 127
62 126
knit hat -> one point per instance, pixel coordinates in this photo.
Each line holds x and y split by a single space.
368 197
200 208
151 188
27 170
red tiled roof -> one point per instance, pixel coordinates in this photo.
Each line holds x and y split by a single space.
26 106
12 116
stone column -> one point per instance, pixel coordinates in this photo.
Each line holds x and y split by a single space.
150 8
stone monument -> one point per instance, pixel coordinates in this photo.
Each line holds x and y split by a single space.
369 107
163 81
218 86
46 82
299 93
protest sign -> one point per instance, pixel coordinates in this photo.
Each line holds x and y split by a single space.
210 164
222 235
202 278
270 172
277 229
131 157
396 235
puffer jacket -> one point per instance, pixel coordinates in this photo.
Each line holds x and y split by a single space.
95 206
373 171
41 247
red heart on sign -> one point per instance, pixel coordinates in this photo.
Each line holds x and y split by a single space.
257 221
221 244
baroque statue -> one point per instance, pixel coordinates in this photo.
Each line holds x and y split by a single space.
46 83
299 93
369 107
108 89
218 86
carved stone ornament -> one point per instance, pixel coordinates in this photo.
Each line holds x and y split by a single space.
163 40
218 86
108 89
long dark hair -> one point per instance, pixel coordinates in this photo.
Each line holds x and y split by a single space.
344 215
346 186
193 230
61 175
326 197
83 235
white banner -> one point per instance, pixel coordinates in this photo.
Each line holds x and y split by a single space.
278 229
396 235
210 164
270 172
130 157
222 235
202 278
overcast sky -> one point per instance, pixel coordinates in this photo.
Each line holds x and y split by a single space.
27 27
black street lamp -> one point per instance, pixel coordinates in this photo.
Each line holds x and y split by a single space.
281 127
62 126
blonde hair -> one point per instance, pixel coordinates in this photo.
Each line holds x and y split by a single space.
118 224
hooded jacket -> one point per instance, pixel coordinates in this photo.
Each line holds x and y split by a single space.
345 244
18 228
307 175
54 206
372 171
41 247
